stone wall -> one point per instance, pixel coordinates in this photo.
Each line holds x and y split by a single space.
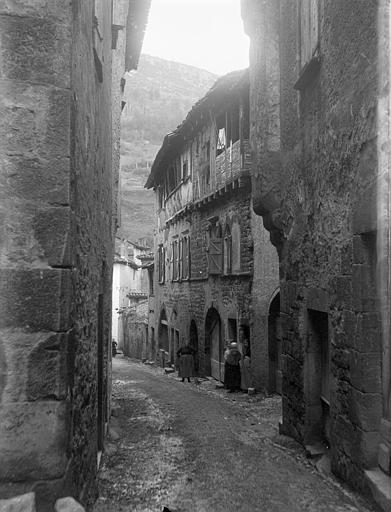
314 184
56 247
234 296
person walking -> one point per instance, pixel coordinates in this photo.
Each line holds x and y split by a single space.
186 362
232 358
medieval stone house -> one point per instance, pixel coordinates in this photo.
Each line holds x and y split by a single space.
319 101
61 63
204 286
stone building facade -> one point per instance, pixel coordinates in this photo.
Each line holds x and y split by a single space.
204 270
56 246
319 82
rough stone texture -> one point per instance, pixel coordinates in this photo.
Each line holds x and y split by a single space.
315 184
56 246
68 505
24 503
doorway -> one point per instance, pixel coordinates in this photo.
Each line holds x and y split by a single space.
194 344
275 346
163 332
101 384
317 377
214 360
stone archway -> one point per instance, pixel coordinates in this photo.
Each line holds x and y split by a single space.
214 361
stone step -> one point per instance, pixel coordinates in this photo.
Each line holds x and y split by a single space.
380 485
315 450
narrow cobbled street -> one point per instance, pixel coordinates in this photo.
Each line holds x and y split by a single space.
195 448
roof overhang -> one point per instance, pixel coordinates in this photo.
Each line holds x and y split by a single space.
215 101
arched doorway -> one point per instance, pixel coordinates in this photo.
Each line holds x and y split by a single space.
174 344
163 341
194 344
214 349
274 346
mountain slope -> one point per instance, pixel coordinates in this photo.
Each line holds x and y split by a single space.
158 96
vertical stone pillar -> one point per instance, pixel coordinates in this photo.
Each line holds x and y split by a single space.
384 229
35 244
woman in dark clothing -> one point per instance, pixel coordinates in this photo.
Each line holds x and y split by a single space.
232 358
186 362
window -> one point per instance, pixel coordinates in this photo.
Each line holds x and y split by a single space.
235 242
175 261
227 251
185 257
215 255
161 264
309 30
185 170
150 280
221 141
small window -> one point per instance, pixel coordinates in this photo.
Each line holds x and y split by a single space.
185 170
185 258
161 264
227 251
235 242
221 141
175 261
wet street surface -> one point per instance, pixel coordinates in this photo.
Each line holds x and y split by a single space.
195 448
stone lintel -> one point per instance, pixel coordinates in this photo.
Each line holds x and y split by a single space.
317 299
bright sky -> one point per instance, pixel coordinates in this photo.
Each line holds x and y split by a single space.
207 34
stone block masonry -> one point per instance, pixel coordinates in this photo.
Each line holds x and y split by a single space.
56 247
315 130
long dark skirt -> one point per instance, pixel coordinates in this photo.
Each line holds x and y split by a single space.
186 366
232 376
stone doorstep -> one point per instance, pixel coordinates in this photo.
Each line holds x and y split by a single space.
380 485
315 450
68 504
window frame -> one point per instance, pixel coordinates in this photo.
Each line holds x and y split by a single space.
161 264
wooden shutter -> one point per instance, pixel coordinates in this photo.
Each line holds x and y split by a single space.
186 258
180 258
215 256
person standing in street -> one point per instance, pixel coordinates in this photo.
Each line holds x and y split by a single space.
186 362
232 358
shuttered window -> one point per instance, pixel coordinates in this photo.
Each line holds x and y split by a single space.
215 256
185 258
309 30
175 260
227 251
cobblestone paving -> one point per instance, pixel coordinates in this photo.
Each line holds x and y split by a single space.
193 448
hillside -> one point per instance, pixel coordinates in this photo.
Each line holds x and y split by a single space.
158 96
